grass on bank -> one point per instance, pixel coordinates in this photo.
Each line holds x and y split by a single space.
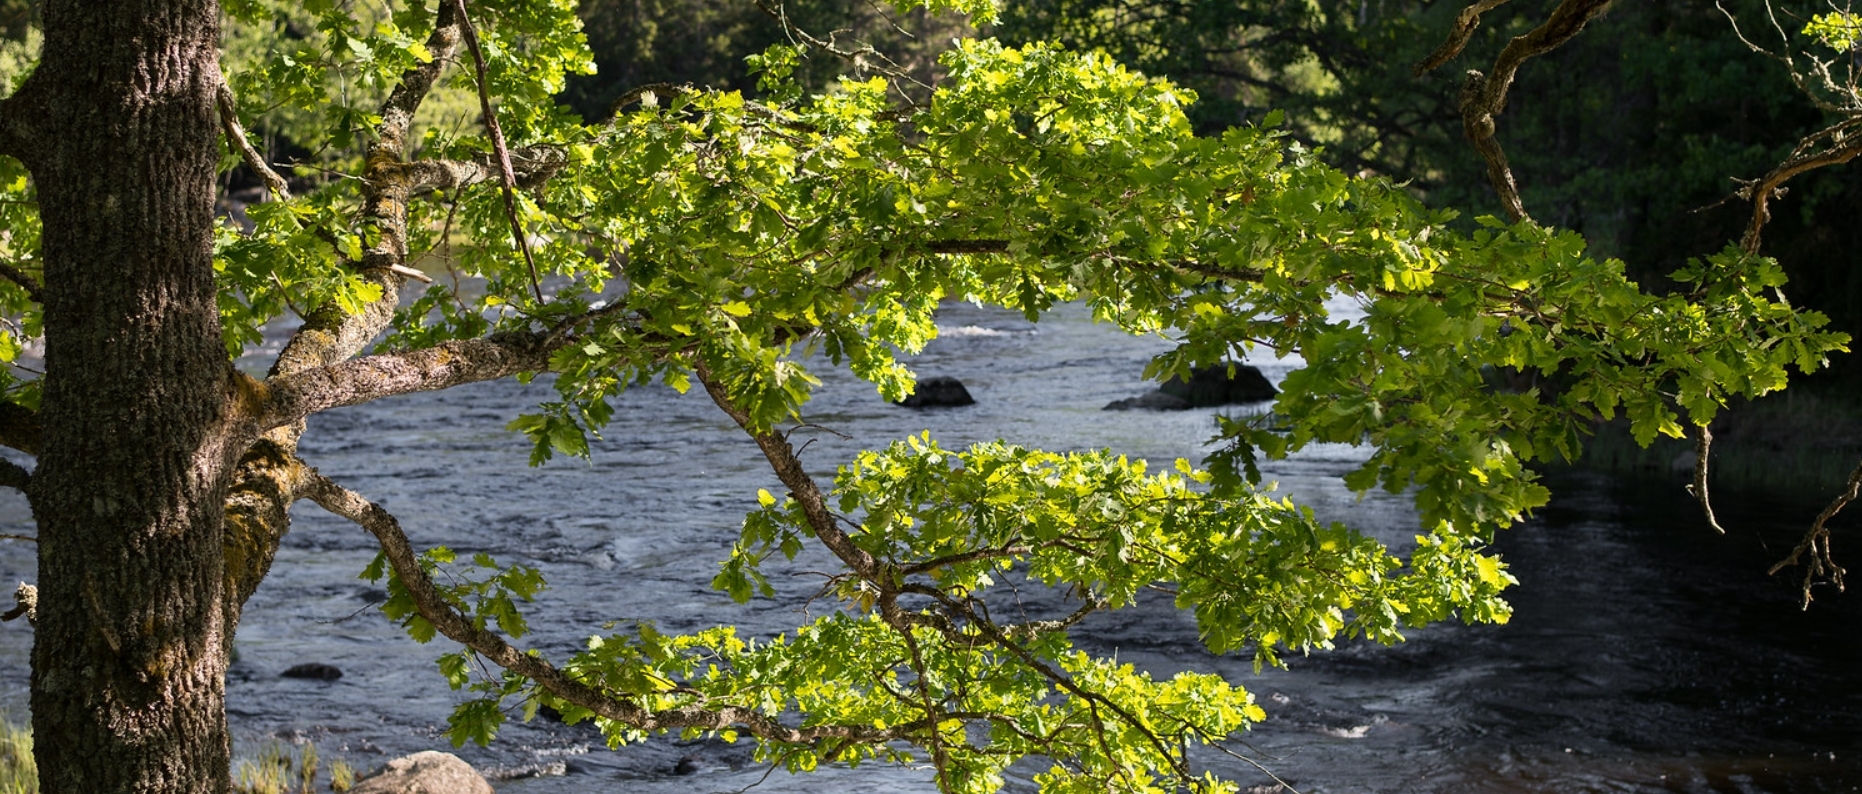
279 768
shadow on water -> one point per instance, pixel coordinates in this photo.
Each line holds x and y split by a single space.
1646 654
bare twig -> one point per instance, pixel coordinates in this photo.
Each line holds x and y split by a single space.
1813 552
497 144
1703 444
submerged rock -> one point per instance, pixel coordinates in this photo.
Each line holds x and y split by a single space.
939 392
314 670
428 772
1152 401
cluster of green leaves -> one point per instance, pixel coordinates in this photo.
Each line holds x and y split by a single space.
704 232
491 598
1838 30
20 318
704 228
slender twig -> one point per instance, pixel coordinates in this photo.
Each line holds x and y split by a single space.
497 143
1816 542
1703 445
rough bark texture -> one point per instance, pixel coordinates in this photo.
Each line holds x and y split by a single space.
127 685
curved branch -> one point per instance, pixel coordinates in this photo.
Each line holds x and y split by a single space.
1833 145
1483 97
789 469
1465 23
236 136
608 704
291 398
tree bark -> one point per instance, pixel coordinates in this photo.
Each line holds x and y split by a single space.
140 401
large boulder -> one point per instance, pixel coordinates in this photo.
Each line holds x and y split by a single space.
1211 386
429 772
939 392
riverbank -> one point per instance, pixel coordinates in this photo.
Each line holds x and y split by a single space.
1802 442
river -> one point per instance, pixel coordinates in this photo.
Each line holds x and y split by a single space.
1647 654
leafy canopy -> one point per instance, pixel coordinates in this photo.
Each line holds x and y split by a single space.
705 236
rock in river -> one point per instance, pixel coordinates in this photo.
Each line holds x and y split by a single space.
429 772
1211 386
316 670
1154 401
939 392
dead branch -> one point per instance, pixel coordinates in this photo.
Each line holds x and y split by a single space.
25 603
1813 552
1703 445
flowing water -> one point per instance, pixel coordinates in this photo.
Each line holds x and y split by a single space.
1646 653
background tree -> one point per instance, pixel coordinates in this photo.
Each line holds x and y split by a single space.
1631 134
702 238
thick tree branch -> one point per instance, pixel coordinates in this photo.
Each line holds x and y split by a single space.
14 475
269 474
1484 96
16 114
397 114
269 478
24 281
20 428
1833 145
291 398
1465 23
236 136
531 167
606 703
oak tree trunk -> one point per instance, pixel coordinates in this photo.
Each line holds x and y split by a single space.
128 664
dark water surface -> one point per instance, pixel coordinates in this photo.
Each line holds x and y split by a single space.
1646 653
